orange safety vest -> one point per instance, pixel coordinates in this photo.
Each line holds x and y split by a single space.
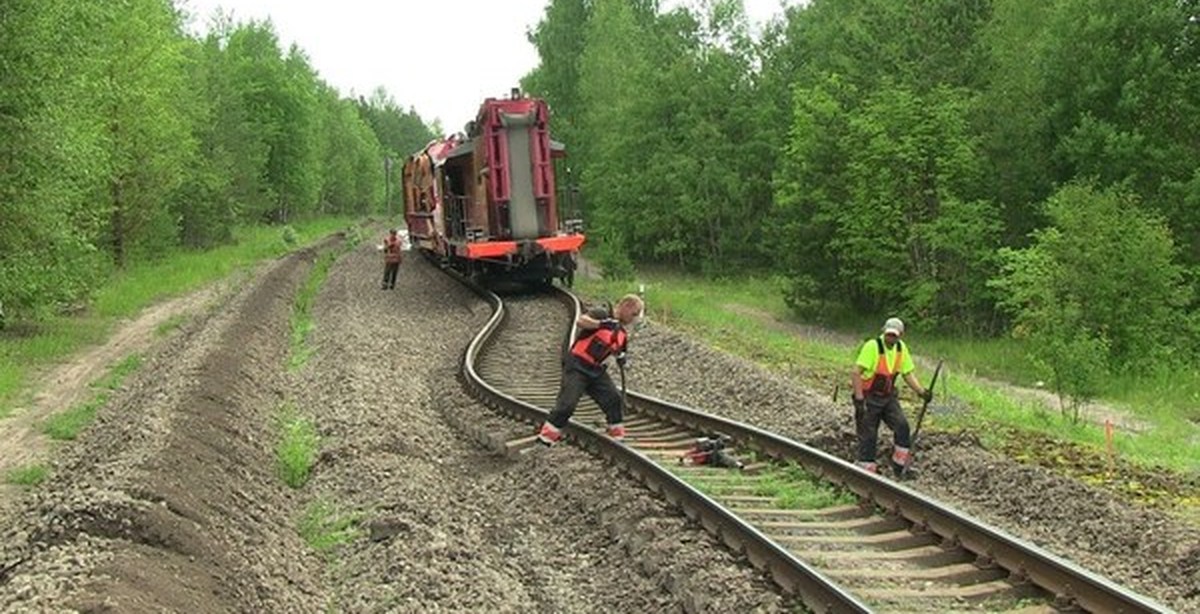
391 250
596 345
882 382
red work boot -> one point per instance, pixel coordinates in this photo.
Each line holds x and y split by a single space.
549 435
616 431
901 458
869 467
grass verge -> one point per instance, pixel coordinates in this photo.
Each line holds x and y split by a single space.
298 446
28 475
302 319
170 325
324 527
66 425
27 347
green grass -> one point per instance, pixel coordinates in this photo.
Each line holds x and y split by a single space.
66 425
790 486
170 325
716 312
28 475
323 527
302 319
26 348
297 448
793 488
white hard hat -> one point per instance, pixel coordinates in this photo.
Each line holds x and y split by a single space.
893 326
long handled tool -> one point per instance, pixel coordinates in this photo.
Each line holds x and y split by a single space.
624 398
920 418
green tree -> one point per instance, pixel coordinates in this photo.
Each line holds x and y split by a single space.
400 132
1124 98
1069 291
559 38
204 203
874 206
909 235
353 159
50 155
147 141
811 186
293 164
1012 117
614 76
921 45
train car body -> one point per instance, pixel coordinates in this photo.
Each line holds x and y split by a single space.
486 202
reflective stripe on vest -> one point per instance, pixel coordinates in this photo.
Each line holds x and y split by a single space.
883 381
593 347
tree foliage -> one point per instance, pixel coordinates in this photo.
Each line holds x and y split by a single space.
1086 283
874 154
122 137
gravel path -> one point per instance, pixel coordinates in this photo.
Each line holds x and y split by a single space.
454 528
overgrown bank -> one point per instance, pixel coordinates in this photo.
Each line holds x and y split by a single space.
748 319
25 348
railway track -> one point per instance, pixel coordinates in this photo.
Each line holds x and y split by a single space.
876 546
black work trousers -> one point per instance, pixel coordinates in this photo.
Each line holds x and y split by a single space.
577 379
390 270
886 409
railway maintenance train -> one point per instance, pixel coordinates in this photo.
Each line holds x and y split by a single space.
486 202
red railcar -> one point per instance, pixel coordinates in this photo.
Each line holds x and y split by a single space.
487 202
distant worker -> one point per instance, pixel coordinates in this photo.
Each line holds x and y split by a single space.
873 384
570 263
599 335
392 256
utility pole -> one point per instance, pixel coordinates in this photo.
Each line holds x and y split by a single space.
387 185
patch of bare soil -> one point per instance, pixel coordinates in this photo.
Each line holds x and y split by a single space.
449 527
68 384
1146 549
170 501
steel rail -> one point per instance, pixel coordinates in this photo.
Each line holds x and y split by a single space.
790 573
1072 586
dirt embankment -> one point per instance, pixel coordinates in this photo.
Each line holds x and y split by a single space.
171 501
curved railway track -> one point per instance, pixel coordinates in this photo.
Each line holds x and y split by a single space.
886 548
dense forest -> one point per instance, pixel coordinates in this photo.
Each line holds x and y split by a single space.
123 137
1027 167
986 166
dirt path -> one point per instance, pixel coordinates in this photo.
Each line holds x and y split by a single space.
169 501
68 384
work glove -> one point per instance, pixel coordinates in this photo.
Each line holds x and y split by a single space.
927 395
860 405
622 360
609 324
